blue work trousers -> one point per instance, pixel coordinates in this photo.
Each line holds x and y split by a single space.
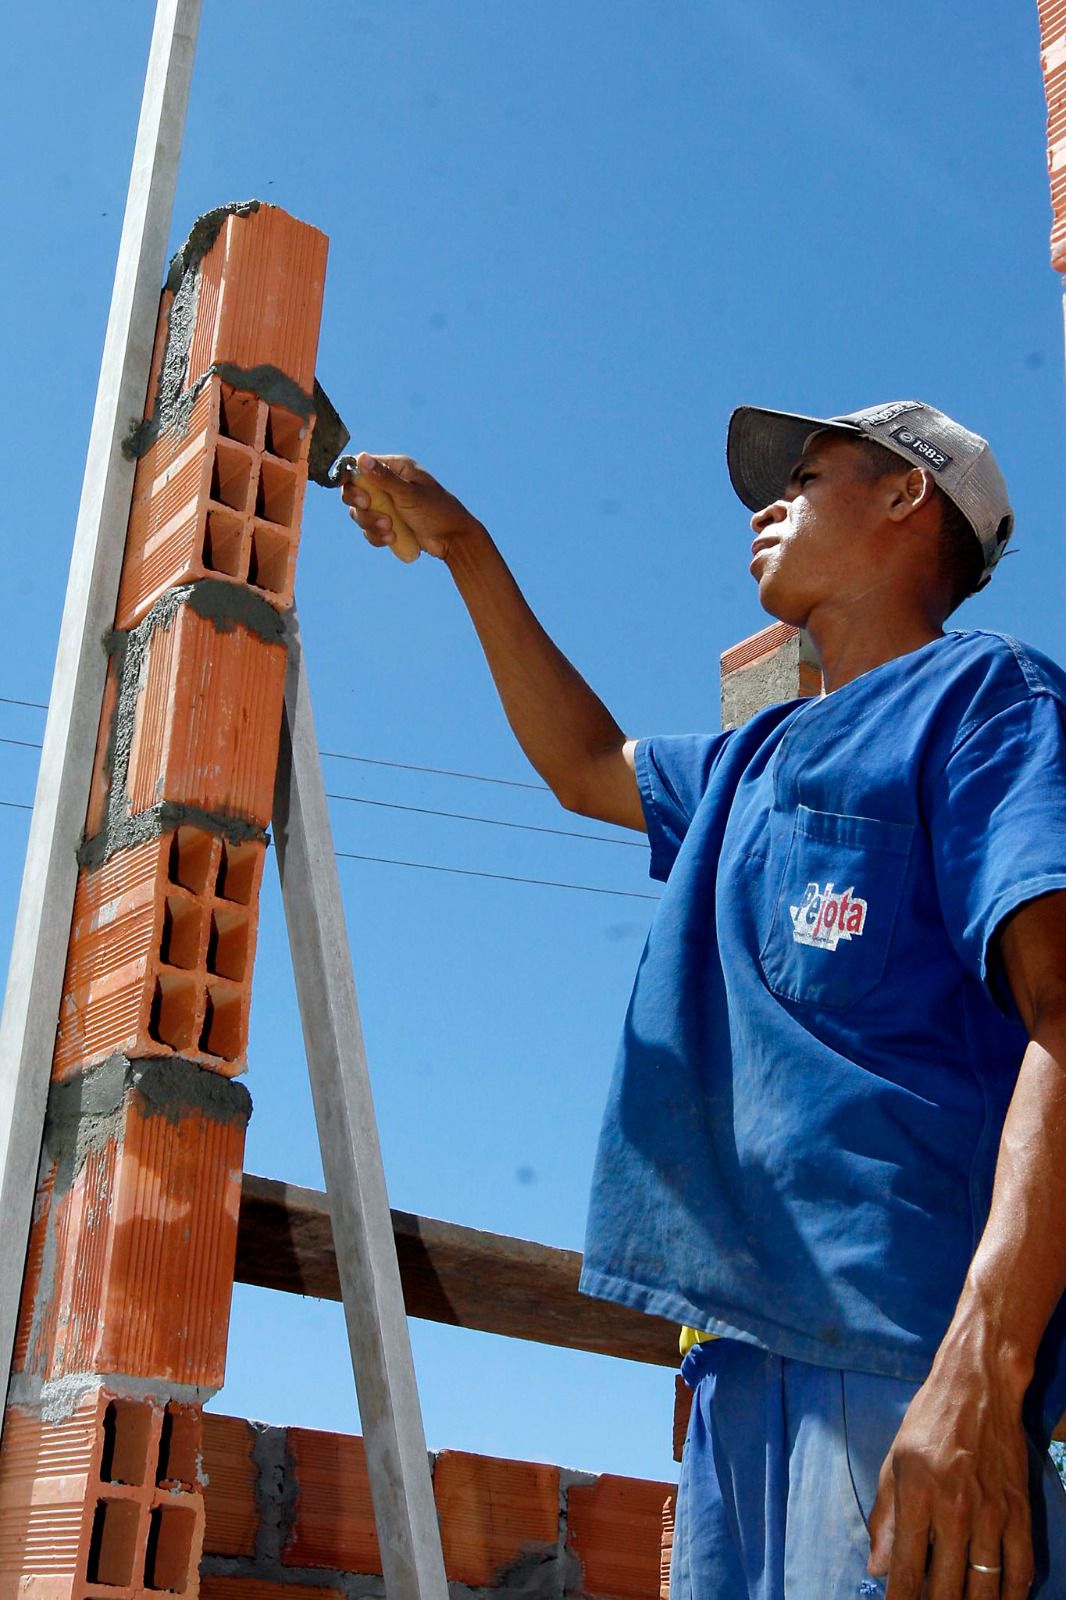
779 1476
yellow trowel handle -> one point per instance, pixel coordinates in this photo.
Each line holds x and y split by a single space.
406 546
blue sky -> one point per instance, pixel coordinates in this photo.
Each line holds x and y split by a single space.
566 239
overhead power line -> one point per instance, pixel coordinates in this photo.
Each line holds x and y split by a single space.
433 811
460 872
492 822
440 772
339 755
501 877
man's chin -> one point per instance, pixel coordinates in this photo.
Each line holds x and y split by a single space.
779 604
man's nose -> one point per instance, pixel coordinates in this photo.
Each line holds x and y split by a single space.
778 512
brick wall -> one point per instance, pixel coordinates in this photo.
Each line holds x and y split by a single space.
289 1509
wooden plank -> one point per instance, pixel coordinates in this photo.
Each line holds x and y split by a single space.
462 1276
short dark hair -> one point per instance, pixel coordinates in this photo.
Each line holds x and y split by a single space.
962 559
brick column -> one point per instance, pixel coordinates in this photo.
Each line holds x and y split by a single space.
125 1305
1052 15
773 665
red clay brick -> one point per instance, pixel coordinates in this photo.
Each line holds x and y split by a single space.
756 646
333 1525
100 785
667 1545
214 1588
31 1281
80 1505
145 1241
615 1530
682 1412
208 720
492 1512
260 297
230 1474
161 952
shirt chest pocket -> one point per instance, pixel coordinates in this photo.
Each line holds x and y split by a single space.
835 908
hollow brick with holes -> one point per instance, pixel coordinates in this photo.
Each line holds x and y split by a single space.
161 953
208 719
143 1245
493 1512
614 1527
220 499
82 1512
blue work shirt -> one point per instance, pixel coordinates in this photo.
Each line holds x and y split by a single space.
802 1128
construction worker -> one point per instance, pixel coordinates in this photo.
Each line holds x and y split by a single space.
832 1147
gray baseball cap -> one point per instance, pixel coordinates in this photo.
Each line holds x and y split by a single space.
764 446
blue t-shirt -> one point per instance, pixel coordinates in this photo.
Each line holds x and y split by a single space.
802 1128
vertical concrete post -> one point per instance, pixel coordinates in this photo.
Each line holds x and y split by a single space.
43 921
124 1311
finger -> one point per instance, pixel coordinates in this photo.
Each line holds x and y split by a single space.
376 536
385 467
910 1553
882 1524
353 495
1018 1551
984 1572
947 1575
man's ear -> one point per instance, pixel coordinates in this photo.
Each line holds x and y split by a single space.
909 493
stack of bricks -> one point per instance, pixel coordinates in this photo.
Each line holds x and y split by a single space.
1053 59
775 664
289 1517
126 1296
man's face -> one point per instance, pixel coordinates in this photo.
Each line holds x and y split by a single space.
815 543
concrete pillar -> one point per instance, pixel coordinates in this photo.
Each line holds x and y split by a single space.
126 1295
775 664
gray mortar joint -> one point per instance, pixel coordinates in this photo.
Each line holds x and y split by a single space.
226 606
83 1114
174 401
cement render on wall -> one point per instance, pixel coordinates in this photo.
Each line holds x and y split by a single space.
177 390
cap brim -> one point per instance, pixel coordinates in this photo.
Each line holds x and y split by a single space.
762 447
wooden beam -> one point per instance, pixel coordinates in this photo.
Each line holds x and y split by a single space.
462 1276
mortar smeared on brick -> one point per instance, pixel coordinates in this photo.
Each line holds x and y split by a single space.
177 389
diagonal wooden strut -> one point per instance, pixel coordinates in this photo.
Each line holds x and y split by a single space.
397 1458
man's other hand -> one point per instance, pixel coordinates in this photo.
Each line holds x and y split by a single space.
953 1497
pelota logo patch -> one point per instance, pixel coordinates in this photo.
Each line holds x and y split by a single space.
823 917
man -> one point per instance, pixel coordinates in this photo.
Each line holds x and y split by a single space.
833 1142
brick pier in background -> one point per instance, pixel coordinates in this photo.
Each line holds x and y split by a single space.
126 1296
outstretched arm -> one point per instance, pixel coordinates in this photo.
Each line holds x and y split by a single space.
564 728
956 1481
